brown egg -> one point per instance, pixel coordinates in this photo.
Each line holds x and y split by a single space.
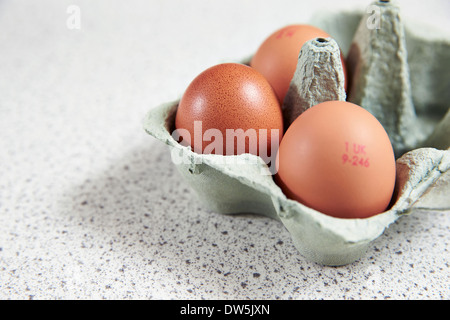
337 158
276 58
230 109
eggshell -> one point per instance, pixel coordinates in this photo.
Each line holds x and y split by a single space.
231 96
277 56
337 158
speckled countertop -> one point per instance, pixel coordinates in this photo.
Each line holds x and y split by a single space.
91 207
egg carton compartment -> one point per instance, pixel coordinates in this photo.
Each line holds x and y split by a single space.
244 183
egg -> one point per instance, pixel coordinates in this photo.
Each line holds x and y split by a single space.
277 56
337 158
230 109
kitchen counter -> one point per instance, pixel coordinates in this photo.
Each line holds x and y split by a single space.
91 207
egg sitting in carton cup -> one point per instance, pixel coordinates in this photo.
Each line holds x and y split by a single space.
393 73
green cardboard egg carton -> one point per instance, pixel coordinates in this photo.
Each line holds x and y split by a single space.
412 107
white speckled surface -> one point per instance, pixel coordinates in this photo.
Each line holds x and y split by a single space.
92 207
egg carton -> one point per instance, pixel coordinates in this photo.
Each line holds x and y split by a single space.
244 183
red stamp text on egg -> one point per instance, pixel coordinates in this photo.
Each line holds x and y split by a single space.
355 155
286 33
